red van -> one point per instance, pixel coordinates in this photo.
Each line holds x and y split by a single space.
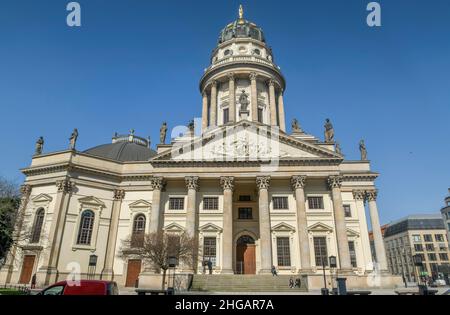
82 287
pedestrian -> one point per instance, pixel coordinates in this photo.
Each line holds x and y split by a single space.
291 283
33 281
297 283
210 266
274 271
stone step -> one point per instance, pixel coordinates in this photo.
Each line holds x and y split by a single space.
243 283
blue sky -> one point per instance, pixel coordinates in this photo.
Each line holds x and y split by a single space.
136 63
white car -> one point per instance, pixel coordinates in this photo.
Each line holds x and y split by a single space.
439 282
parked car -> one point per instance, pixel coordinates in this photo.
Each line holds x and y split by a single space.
438 283
82 287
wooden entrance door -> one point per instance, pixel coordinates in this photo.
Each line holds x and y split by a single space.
246 256
27 269
133 271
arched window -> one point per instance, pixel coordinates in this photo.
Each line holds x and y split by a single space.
37 226
86 227
137 237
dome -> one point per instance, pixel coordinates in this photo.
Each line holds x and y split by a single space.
241 28
126 148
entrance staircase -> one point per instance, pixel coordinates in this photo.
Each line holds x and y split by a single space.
246 283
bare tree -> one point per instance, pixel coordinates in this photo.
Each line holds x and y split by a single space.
156 248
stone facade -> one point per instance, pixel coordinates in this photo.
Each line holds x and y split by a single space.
255 195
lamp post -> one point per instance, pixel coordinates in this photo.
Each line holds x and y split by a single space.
172 262
333 264
423 289
324 289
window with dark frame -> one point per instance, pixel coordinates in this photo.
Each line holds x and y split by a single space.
283 252
443 256
347 211
37 226
439 237
209 249
351 247
86 228
418 247
245 198
432 257
176 203
245 214
211 203
315 202
429 247
320 251
137 237
280 203
226 116
428 238
260 115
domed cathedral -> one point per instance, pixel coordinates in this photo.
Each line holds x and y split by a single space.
254 198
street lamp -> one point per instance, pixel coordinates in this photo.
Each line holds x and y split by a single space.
324 289
423 289
172 262
333 265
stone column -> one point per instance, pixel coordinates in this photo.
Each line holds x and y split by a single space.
157 219
281 111
298 184
191 213
213 109
376 228
108 270
204 111
232 97
48 273
8 269
227 184
254 96
335 183
263 183
273 105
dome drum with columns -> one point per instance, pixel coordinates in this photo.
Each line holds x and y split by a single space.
252 197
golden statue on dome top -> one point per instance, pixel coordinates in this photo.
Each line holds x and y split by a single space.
241 12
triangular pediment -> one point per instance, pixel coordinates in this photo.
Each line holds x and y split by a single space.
174 227
320 227
91 201
244 141
140 204
210 228
283 227
352 233
42 198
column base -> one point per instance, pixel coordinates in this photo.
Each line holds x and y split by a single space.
227 272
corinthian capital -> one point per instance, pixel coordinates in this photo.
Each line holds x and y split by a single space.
263 182
227 183
371 195
359 194
157 183
253 76
335 181
192 182
25 190
272 82
64 185
298 181
214 83
119 194
230 76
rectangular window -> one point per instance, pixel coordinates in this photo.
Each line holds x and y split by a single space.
416 238
226 116
245 198
432 257
209 249
211 203
283 252
315 202
260 115
320 251
351 247
443 256
418 247
245 213
428 238
439 237
429 247
347 211
280 203
176 203
442 247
